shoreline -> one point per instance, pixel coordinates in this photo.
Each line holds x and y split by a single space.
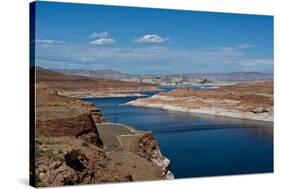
207 111
203 85
90 94
104 96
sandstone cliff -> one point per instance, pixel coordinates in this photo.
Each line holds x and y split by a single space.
146 146
63 116
70 150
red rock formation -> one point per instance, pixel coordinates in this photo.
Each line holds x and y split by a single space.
80 126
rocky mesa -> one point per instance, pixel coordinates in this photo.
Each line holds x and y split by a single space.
83 87
252 100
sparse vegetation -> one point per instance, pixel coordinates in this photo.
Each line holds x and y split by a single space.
84 144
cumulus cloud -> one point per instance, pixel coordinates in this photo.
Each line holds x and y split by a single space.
151 38
99 35
103 41
245 46
49 41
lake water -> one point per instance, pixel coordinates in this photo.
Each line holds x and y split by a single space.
198 145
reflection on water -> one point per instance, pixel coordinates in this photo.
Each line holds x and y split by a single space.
199 145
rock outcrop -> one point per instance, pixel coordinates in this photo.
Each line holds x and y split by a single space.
97 115
68 146
70 161
69 149
58 116
146 146
81 126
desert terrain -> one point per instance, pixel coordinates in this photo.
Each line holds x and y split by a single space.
73 147
172 79
251 100
76 145
83 86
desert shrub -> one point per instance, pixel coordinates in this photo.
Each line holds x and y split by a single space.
84 144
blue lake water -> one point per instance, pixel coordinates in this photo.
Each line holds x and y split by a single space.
199 145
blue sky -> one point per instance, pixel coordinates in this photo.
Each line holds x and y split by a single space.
151 41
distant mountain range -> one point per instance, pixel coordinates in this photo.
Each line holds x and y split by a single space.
183 78
233 76
103 73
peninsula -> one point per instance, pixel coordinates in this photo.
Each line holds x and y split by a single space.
251 100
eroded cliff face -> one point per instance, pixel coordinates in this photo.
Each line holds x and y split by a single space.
69 161
58 116
146 146
97 116
68 146
69 149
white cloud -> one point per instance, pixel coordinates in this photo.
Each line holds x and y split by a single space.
103 41
227 49
49 41
148 59
245 46
151 38
99 35
256 62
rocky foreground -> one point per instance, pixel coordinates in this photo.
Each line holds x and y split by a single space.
252 100
70 150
